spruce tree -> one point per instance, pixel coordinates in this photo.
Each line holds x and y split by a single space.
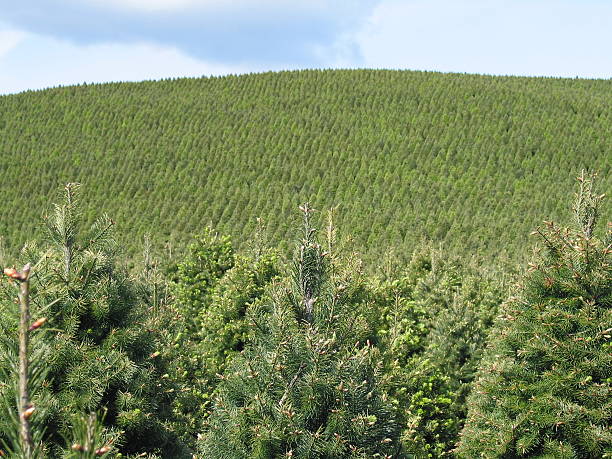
24 353
431 319
206 261
104 350
307 385
214 290
88 438
545 385
437 379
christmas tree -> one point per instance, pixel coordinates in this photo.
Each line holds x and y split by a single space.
214 289
432 319
307 385
103 352
545 385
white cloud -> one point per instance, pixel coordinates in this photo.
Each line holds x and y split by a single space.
10 39
43 62
177 5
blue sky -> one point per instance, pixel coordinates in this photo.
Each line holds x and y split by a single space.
47 43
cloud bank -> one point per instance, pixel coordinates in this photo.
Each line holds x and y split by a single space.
278 32
50 42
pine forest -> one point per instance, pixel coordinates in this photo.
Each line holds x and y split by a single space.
471 162
307 264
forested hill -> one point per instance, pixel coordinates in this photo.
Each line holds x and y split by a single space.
472 161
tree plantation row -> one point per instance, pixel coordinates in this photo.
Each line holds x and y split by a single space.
468 162
228 353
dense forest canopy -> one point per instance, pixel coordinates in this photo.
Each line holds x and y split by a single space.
243 355
473 162
172 308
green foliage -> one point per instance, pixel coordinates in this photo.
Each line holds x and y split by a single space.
39 351
545 387
305 385
439 378
206 260
224 327
321 362
433 319
88 438
470 161
214 290
24 371
102 352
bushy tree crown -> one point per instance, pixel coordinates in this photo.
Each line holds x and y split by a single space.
306 385
545 387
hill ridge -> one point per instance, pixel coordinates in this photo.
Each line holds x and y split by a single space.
471 161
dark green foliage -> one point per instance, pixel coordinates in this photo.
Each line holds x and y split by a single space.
435 318
88 438
102 353
471 161
307 385
545 388
214 289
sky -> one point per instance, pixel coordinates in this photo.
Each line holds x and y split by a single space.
47 43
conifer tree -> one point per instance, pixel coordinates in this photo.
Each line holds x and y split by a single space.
438 378
104 352
545 385
214 290
307 385
431 319
24 373
23 356
88 439
206 261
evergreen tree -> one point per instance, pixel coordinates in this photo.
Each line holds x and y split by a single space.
24 352
545 386
88 439
416 145
24 372
206 261
214 291
308 384
437 380
431 320
104 352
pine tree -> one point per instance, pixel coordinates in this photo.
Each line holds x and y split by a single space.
214 291
545 385
104 350
307 385
24 372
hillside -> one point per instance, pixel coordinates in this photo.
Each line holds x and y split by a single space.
474 162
